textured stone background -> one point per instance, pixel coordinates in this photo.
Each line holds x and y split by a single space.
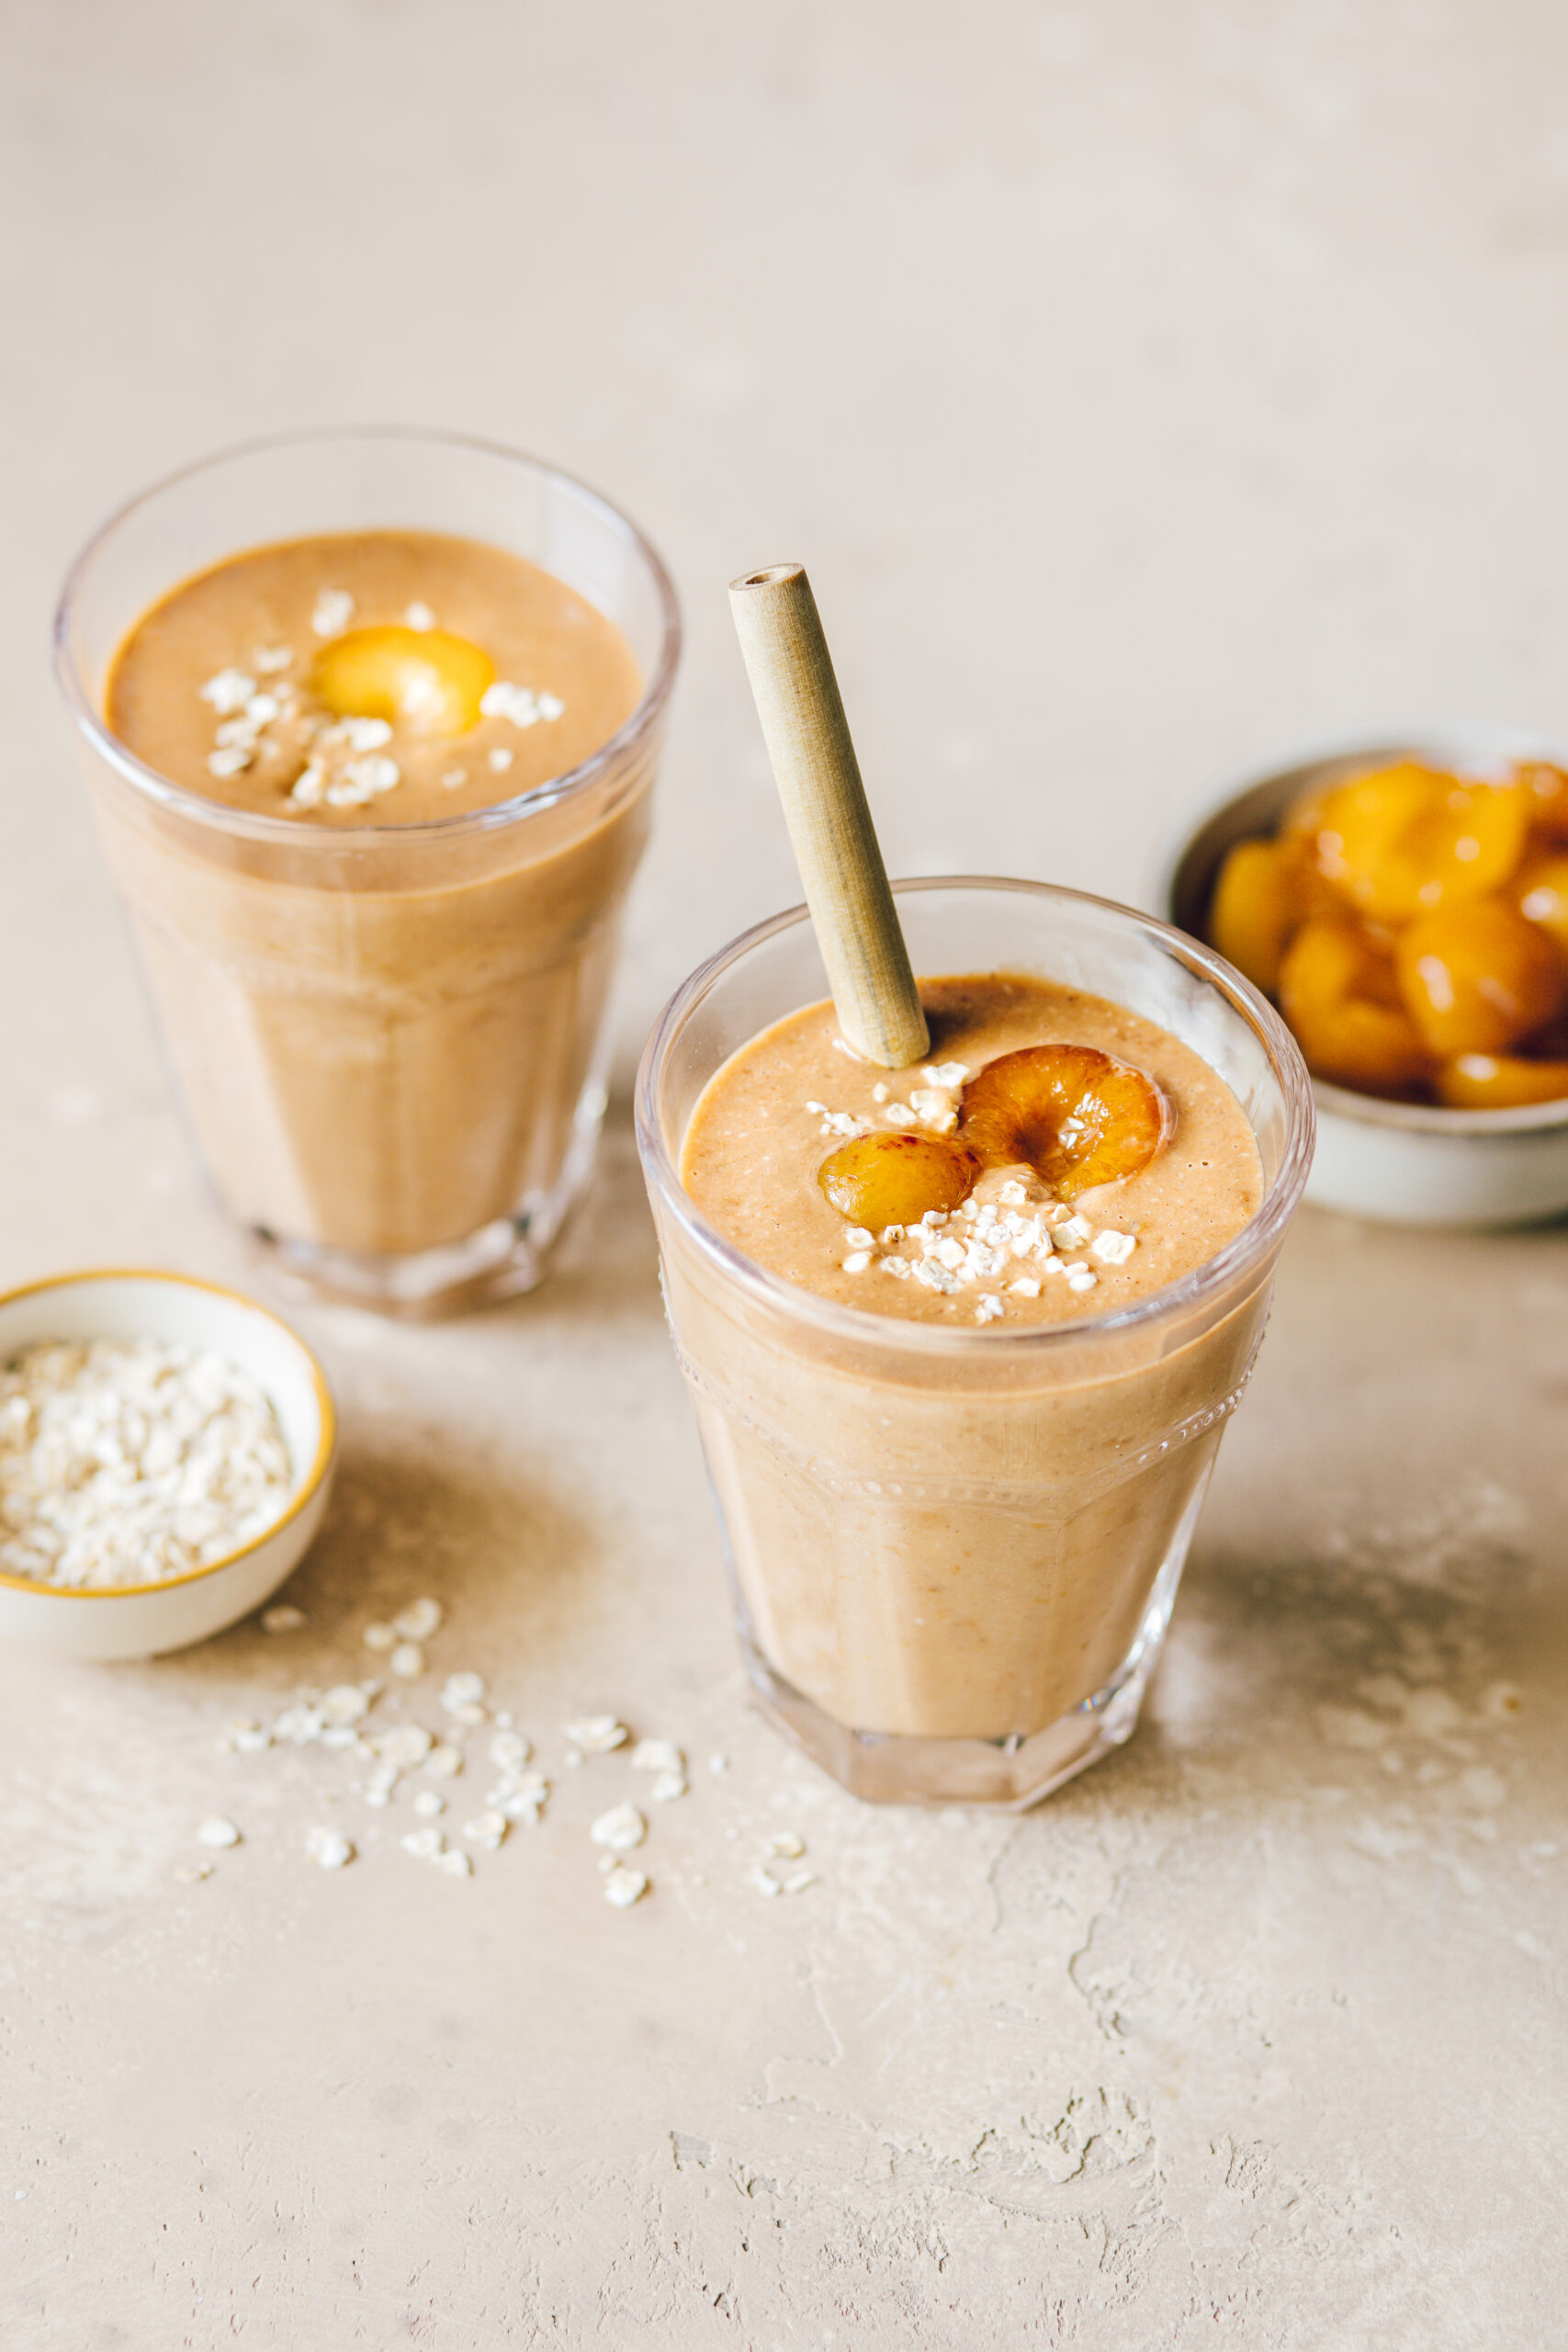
1151 386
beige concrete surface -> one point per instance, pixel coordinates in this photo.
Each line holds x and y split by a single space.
1150 386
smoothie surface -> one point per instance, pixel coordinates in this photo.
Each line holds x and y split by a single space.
1016 1252
225 686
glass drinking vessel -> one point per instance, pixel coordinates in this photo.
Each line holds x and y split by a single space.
953 1553
390 1041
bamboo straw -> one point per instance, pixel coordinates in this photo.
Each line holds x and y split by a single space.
829 824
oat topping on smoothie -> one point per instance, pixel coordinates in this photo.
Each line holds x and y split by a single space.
379 677
1058 1156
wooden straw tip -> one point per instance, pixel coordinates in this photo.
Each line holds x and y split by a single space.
772 575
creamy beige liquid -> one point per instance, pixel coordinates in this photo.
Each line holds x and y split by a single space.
941 1545
382 1049
257 616
753 1148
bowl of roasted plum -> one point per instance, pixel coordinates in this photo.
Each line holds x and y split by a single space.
1405 904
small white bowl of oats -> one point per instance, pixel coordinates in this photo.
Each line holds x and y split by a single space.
167 1451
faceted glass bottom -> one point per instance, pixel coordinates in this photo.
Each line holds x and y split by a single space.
890 1768
503 1259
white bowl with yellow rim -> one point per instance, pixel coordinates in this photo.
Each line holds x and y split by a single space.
1404 1163
141 1620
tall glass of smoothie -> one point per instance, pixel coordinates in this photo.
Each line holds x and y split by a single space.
958 1452
372 721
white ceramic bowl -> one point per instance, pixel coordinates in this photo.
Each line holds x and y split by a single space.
1406 1164
139 1621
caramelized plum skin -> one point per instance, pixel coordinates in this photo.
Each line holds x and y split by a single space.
425 680
1540 893
1253 908
1339 994
1499 1081
894 1179
1265 892
1478 979
1548 788
1075 1115
1408 840
1406 920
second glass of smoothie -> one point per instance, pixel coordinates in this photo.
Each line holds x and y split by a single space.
373 721
957 1467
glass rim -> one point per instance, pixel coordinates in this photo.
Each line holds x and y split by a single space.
864 1325
252 826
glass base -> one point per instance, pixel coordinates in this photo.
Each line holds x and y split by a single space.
890 1768
503 1259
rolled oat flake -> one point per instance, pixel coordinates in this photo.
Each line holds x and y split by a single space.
129 1461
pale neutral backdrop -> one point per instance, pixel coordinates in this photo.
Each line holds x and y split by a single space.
1151 387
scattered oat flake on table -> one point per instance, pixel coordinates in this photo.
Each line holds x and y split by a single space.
667 1787
192 1873
377 1636
330 1848
656 1756
486 1829
424 1845
456 1864
789 1843
407 1661
623 1887
525 1802
444 1761
419 1620
621 1828
286 1619
510 1750
218 1831
427 1804
345 1702
764 1881
405 1745
462 1691
800 1881
300 1723
596 1735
